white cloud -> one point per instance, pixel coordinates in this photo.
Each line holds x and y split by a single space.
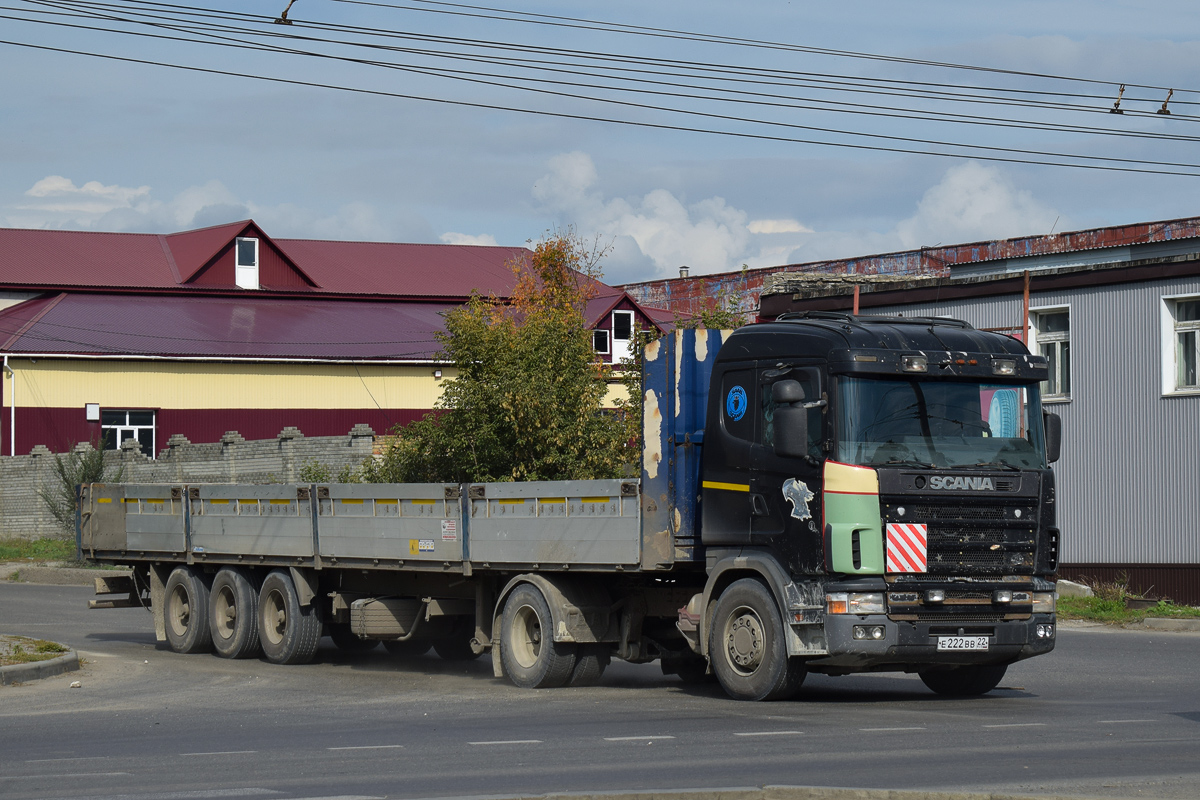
485 239
778 226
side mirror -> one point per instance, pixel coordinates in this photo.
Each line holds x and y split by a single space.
1053 425
791 419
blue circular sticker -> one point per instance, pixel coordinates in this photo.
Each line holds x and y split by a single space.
735 403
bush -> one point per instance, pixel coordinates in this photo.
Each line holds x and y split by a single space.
85 465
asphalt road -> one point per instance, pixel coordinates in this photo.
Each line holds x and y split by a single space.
1109 713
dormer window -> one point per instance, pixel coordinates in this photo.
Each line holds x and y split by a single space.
246 255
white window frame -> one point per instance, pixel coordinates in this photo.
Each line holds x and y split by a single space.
1054 338
120 429
607 342
619 352
1170 330
245 275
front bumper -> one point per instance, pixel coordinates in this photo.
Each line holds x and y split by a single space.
909 646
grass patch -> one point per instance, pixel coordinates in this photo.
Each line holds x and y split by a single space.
37 550
1114 612
23 650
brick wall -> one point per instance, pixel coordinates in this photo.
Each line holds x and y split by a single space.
231 460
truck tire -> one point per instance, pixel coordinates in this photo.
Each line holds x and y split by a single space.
408 649
233 614
590 662
528 652
348 641
185 611
964 681
288 631
747 648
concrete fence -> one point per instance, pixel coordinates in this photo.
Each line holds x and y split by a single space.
23 514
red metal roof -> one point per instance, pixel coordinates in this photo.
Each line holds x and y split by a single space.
254 326
53 259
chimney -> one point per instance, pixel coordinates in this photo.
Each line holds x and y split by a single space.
683 272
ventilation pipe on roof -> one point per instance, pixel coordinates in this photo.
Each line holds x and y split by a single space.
683 272
12 409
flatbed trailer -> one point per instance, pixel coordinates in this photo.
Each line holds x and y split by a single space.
711 561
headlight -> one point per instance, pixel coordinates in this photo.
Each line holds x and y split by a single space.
866 603
1043 602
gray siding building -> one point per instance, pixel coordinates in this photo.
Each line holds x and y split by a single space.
1120 325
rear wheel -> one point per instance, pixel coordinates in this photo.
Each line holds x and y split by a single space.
233 615
348 641
288 631
590 662
964 681
747 647
531 657
185 612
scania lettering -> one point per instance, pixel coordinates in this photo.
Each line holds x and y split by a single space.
823 493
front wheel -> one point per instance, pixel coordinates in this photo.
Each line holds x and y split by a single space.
747 648
288 631
964 681
531 657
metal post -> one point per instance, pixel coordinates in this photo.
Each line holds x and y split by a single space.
856 298
1025 313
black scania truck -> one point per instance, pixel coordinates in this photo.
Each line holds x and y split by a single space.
822 493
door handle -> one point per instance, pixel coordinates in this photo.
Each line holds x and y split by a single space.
758 506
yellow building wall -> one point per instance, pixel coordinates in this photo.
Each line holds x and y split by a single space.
66 383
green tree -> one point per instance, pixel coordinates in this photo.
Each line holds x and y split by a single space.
84 465
526 402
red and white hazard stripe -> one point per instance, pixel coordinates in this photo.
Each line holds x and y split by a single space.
906 546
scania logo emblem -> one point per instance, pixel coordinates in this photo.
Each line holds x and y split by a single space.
957 483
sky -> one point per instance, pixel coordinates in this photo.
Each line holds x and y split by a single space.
99 144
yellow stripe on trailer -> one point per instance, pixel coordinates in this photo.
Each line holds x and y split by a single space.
280 502
552 500
512 501
729 487
595 499
106 500
351 501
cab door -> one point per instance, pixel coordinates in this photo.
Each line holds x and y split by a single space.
785 493
725 460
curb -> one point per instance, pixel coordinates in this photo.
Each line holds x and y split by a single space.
21 673
1168 624
784 793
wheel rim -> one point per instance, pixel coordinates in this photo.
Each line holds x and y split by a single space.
226 613
274 617
526 636
179 611
745 642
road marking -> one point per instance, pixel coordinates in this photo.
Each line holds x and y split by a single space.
769 733
881 730
70 775
222 753
634 738
1018 725
369 747
510 741
1124 721
64 758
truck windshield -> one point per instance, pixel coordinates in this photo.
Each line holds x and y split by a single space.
939 424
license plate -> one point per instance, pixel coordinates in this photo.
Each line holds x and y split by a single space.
962 643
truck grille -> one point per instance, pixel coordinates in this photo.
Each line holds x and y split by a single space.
972 540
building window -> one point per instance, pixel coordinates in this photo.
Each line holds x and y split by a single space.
246 263
1185 341
622 335
1053 330
117 426
600 341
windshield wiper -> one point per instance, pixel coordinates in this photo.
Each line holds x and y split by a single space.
911 462
997 465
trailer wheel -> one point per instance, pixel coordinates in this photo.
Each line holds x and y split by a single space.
590 663
288 631
410 648
185 612
348 641
233 614
747 648
531 657
964 681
